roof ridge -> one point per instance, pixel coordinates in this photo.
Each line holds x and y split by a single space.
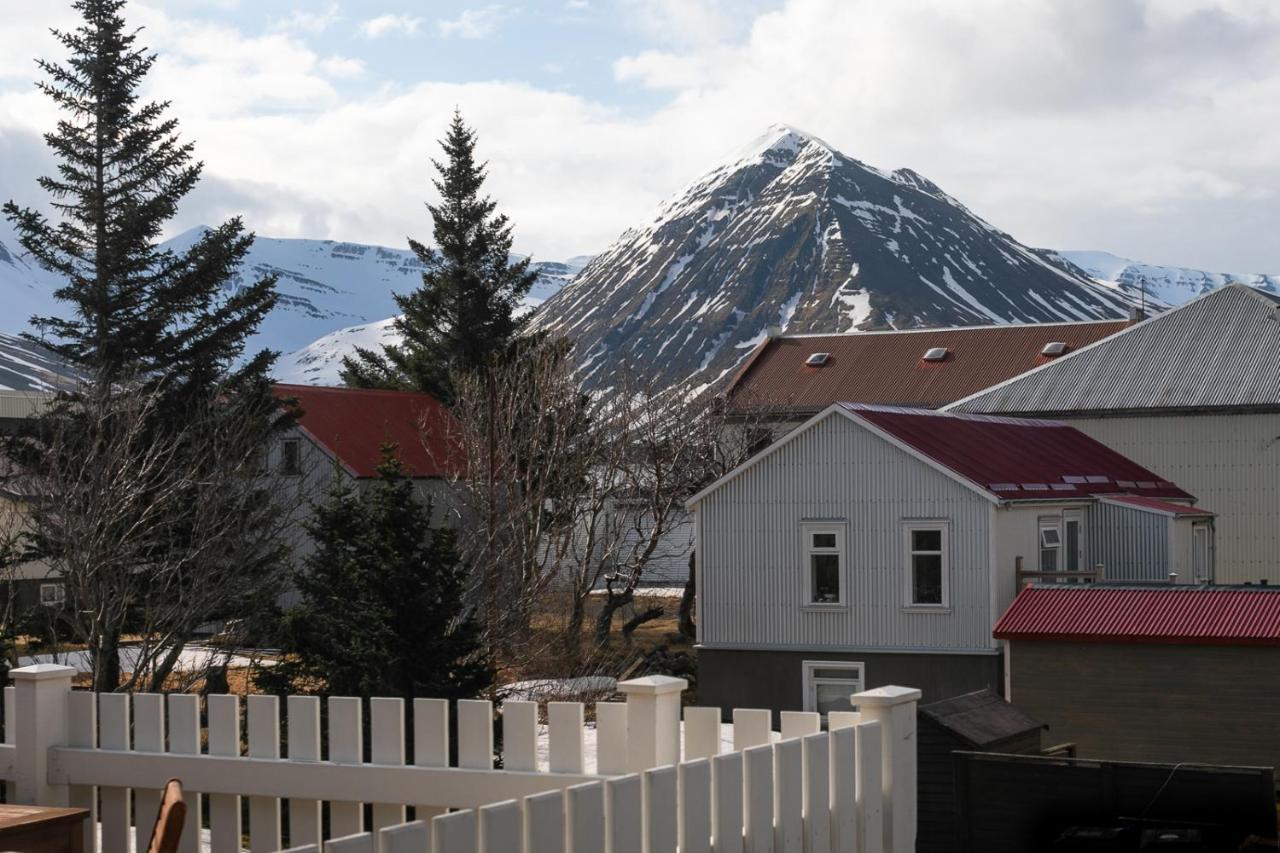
925 330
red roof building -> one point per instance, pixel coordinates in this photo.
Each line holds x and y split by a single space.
352 425
1233 616
803 374
1016 458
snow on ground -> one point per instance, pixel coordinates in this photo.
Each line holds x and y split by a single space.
192 659
556 689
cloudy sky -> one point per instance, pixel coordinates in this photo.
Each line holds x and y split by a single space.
1143 128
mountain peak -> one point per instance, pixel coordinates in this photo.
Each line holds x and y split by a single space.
778 138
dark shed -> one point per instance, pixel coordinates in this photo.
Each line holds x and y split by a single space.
975 722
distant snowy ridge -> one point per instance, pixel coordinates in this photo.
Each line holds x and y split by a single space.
1170 285
789 233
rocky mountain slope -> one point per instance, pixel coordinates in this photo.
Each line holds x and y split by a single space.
1170 285
792 234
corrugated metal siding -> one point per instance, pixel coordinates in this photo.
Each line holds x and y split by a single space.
1132 545
22 404
1231 463
751 575
1216 351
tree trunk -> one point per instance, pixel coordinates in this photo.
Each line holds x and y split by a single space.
105 654
639 619
604 622
684 618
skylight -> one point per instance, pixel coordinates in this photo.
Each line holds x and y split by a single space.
817 359
935 354
1054 348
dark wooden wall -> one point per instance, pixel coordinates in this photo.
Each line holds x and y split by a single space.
1149 702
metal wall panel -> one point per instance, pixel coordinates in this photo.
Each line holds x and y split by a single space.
1131 545
1231 463
751 565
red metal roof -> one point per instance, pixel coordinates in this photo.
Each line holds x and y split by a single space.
888 367
353 424
1017 458
1165 614
1158 506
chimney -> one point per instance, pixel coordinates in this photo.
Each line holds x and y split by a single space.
773 331
1173 577
1137 314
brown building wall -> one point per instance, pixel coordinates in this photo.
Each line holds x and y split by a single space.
1146 702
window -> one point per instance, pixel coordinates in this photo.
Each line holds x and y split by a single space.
258 460
52 594
1050 543
927 564
291 456
1202 552
829 684
824 563
1073 524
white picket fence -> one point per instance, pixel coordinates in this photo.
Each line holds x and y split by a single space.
658 785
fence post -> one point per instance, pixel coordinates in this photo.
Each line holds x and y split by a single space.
41 709
653 721
894 708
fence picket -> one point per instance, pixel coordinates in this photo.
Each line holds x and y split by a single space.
757 817
870 814
10 732
184 739
727 789
82 731
800 723
660 810
565 736
358 842
430 744
475 734
454 833
346 746
701 732
412 837
693 827
788 795
543 823
303 714
148 736
842 720
224 739
500 828
520 735
844 759
584 818
624 814
611 738
816 750
386 725
113 733
751 727
264 742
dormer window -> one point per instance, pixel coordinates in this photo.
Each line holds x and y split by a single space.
1053 349
818 359
935 354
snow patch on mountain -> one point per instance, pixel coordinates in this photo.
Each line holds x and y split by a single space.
1171 285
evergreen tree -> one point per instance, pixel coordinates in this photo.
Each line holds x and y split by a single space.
463 317
133 309
381 611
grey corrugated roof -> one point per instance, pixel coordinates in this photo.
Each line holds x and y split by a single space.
1220 351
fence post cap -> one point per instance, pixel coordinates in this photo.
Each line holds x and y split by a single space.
885 697
653 685
42 672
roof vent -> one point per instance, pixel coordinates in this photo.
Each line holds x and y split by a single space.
1054 348
818 359
935 353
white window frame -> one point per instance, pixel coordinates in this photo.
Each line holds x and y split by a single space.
58 599
1044 524
807 550
811 682
910 526
1207 529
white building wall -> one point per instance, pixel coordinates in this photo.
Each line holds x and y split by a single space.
1231 463
752 575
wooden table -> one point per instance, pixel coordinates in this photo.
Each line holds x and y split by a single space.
40 829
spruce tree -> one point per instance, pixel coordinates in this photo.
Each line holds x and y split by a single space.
381 610
132 308
464 316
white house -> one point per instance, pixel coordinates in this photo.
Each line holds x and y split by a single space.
875 545
1193 393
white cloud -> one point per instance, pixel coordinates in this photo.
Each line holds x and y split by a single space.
387 24
474 23
1143 127
303 21
343 67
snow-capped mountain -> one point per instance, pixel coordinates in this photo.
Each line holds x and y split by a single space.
1171 285
324 286
791 233
25 366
